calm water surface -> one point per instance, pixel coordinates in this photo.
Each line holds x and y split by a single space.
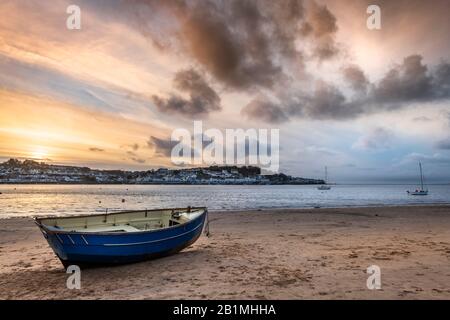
29 200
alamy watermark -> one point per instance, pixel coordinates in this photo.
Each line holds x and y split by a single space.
73 21
258 147
374 280
74 280
374 20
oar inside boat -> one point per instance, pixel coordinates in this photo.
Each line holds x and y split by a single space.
122 237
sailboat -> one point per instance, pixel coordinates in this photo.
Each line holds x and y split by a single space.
325 186
421 191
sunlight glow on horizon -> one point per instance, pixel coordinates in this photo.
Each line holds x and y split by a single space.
39 153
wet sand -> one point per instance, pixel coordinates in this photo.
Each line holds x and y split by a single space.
269 254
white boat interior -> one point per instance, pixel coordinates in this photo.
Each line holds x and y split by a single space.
130 221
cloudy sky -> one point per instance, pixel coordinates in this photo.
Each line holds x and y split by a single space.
369 104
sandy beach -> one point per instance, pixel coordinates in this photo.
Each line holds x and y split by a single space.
268 254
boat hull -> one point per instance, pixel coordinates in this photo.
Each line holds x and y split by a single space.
418 193
90 249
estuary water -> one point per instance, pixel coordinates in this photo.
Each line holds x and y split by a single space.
31 200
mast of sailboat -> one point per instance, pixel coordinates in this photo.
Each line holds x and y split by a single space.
421 176
326 174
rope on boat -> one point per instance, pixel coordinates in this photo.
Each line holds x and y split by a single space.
206 228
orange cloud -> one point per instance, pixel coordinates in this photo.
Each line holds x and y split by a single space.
33 126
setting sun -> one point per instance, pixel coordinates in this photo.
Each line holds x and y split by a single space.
39 153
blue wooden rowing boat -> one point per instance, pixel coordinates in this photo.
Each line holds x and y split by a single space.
122 237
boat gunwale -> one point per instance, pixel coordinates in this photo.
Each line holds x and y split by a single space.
111 213
103 233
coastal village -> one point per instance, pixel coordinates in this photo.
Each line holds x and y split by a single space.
30 171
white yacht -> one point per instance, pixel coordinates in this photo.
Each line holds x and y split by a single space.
421 191
325 186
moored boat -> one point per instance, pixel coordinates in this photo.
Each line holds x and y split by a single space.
421 191
122 237
325 186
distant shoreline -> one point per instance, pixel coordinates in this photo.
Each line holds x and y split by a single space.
161 184
220 184
15 171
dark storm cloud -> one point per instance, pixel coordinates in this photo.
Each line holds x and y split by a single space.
327 102
409 82
406 82
228 40
355 77
244 44
192 82
320 21
441 80
265 110
162 147
321 25
325 49
412 81
290 12
264 46
202 98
